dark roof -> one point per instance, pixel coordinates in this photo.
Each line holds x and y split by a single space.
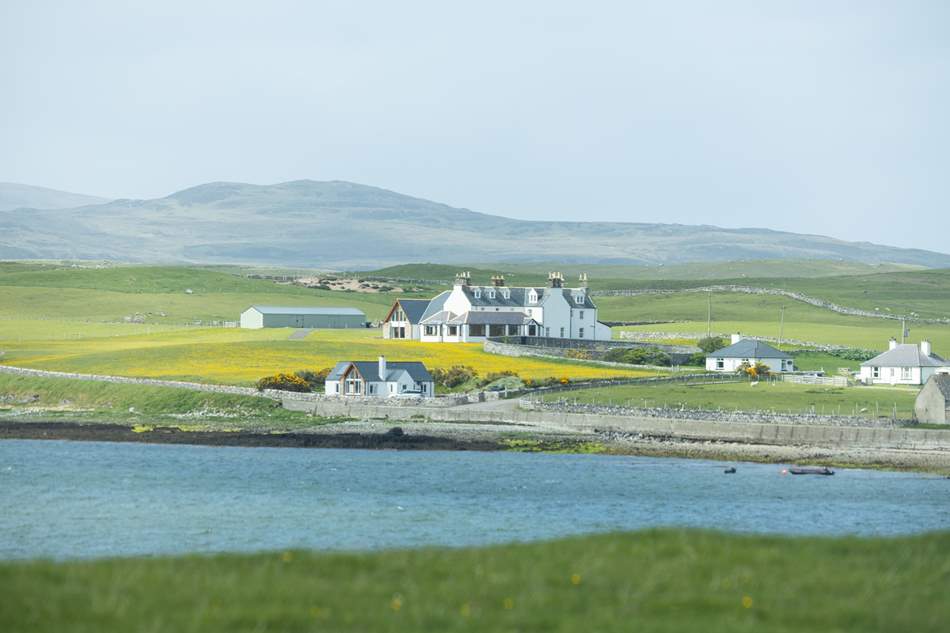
414 308
300 310
369 369
518 297
942 381
905 355
749 348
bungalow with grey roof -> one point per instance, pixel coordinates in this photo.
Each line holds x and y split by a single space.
903 364
751 351
380 379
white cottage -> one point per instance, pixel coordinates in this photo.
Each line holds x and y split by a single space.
470 313
903 364
380 379
751 351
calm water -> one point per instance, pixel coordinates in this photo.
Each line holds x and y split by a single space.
82 499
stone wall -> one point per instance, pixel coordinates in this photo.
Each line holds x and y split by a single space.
503 347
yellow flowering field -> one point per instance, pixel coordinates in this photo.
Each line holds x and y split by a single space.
238 356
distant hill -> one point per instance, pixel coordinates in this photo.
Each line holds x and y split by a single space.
346 225
14 196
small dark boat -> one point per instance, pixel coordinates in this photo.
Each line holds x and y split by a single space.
730 471
811 470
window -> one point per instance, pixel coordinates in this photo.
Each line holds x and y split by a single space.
906 373
478 293
875 372
491 294
547 331
581 314
453 330
476 330
505 293
353 386
579 299
532 296
532 330
431 330
562 332
580 332
720 363
372 388
529 311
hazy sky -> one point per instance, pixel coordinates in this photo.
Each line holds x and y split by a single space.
822 117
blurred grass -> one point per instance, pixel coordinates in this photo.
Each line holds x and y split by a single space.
660 580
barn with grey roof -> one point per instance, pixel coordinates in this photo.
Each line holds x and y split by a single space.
256 317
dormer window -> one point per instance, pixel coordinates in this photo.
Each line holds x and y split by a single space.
579 299
532 296
491 293
478 293
506 293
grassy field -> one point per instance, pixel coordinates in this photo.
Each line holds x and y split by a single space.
760 316
780 397
236 356
54 398
662 580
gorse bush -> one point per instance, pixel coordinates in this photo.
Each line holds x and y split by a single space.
453 376
578 354
639 356
284 382
497 375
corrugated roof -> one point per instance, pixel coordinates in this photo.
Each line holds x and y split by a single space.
905 355
943 384
305 310
749 348
369 369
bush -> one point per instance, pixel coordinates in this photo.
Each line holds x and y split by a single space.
754 372
698 359
453 376
578 354
283 382
316 379
639 356
496 375
710 344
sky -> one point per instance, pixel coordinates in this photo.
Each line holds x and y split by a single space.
823 117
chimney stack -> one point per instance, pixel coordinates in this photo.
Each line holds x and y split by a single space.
382 368
892 343
736 338
583 280
498 280
925 348
463 278
556 280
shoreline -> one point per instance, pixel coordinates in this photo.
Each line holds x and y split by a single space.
402 435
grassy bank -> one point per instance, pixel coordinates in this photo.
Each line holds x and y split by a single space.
23 398
780 397
651 581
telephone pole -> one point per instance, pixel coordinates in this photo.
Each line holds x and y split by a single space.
781 327
708 314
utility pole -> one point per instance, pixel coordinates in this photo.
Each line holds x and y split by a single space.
903 330
781 327
708 314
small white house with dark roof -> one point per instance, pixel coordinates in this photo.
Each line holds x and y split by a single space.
257 317
470 313
903 364
933 402
751 351
380 379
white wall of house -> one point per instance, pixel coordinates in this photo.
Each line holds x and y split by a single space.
726 364
896 375
252 319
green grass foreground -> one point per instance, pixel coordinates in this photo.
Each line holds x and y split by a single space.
661 580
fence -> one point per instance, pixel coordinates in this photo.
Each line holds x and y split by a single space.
804 379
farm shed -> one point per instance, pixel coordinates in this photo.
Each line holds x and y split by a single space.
257 317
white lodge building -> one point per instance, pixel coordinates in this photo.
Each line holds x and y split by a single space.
472 313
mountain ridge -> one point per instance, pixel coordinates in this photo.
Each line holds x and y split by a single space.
344 224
